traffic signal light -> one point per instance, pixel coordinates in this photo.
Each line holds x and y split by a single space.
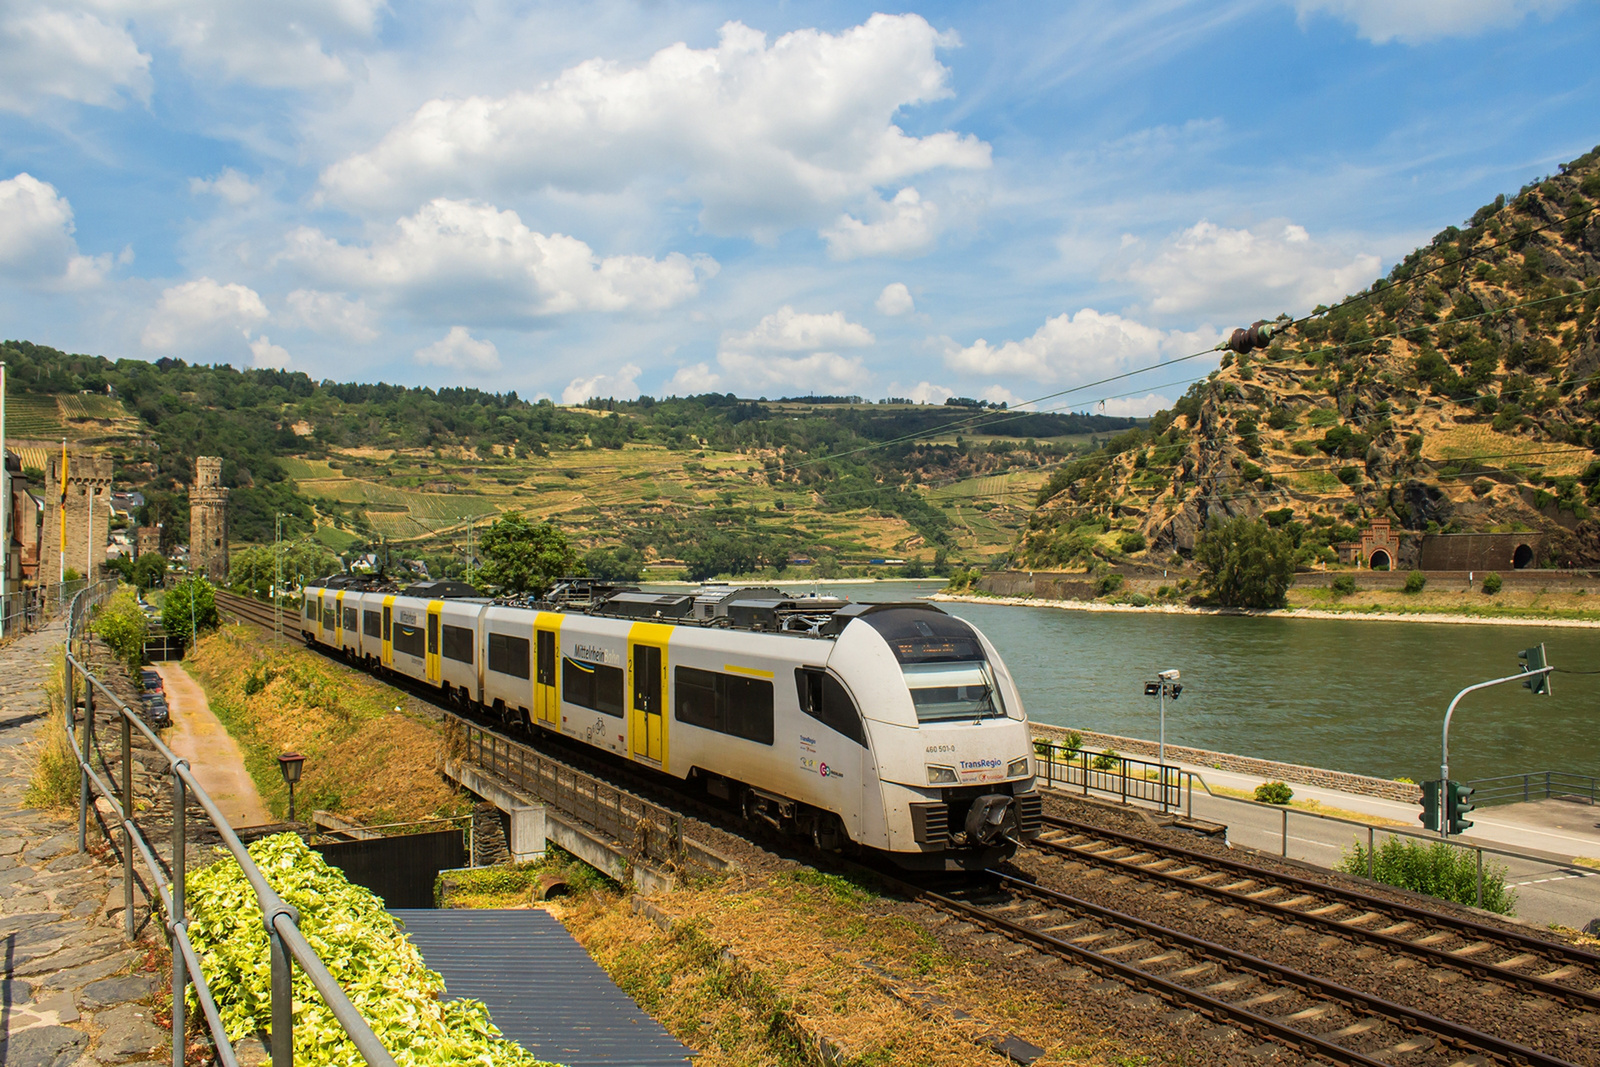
1533 660
1430 804
1459 800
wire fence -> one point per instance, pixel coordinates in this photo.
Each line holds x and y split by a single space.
25 610
287 946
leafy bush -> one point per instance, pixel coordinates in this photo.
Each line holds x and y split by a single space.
1437 869
1246 563
1132 541
120 623
1349 475
380 970
1107 584
1344 585
1139 600
1415 581
192 599
1492 583
1109 760
1274 793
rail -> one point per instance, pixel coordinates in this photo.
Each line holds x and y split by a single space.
653 832
1121 776
286 944
1535 785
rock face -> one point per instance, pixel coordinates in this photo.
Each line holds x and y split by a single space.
1460 394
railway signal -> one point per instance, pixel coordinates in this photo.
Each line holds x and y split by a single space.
1533 665
1166 685
1458 798
1430 804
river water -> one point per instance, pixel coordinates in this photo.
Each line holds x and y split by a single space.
1361 696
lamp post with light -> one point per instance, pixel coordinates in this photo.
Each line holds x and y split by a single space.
1166 685
289 766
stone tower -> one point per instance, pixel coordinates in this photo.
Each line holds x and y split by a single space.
86 489
208 520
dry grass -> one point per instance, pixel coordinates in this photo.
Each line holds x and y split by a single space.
56 779
365 758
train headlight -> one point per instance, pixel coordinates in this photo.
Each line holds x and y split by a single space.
940 775
1017 767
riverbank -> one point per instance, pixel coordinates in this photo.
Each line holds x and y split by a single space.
1369 612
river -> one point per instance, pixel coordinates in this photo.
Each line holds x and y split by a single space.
1359 695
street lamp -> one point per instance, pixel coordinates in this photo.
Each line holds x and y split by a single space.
1166 685
289 766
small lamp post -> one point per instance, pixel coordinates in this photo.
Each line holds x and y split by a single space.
289 766
1166 685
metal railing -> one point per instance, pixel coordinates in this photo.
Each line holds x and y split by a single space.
652 832
1169 787
287 945
1534 785
26 610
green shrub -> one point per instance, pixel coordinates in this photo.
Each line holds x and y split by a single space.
1344 585
1415 581
194 598
1274 793
1107 584
1437 869
381 971
121 624
1139 600
1492 583
1109 760
1132 541
1072 742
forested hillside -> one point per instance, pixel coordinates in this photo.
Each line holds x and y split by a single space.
740 483
1460 393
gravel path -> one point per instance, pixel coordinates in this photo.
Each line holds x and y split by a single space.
213 756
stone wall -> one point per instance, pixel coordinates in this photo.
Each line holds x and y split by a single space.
88 484
208 520
1271 770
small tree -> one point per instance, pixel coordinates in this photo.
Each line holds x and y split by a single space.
176 614
1246 563
1415 581
121 625
149 570
1492 583
522 558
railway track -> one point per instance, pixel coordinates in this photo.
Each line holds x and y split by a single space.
1321 1018
1561 973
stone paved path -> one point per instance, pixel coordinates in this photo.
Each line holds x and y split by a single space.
68 991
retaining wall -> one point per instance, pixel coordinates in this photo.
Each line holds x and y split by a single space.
1272 770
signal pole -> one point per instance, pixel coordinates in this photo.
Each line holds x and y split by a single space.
1535 675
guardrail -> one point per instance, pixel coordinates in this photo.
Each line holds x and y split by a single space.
1534 785
287 945
1124 777
653 832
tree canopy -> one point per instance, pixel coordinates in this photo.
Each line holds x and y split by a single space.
176 614
1246 563
523 558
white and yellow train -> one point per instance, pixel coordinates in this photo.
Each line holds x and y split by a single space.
891 727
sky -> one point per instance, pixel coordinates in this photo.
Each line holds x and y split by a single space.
995 200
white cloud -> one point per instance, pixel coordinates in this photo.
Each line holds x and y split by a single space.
895 299
1133 406
1416 21
230 185
1247 274
36 242
263 354
456 259
927 393
788 330
624 384
202 314
904 226
820 372
999 394
459 350
1067 346
764 136
693 379
331 314
73 55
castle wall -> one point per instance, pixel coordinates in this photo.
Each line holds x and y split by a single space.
88 485
208 519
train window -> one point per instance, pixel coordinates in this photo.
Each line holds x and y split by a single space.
825 699
508 655
433 635
727 703
371 623
458 642
592 685
943 692
408 639
547 657
350 621
917 635
312 603
386 618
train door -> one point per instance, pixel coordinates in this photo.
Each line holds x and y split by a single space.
330 609
547 658
647 667
338 620
435 607
388 640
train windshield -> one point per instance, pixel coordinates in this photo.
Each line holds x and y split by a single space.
942 692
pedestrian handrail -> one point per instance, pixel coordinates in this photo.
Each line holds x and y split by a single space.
1534 785
287 945
1122 776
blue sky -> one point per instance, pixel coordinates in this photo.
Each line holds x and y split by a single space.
998 200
